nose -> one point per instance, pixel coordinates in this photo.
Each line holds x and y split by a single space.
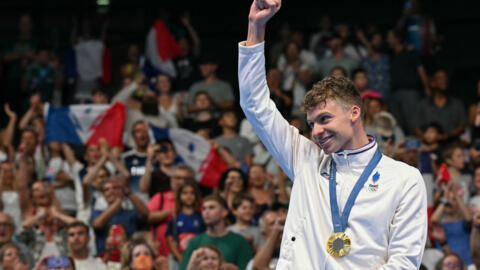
317 129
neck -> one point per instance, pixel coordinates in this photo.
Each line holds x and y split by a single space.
228 133
188 210
217 230
439 95
454 170
80 254
358 140
211 78
204 115
167 168
242 224
338 54
141 149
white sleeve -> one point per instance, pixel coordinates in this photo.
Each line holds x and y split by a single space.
408 231
281 139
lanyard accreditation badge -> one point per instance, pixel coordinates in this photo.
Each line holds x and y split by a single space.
338 244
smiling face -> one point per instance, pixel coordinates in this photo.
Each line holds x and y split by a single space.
332 125
245 211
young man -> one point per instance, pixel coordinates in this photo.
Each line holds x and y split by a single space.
235 249
238 146
243 208
77 240
387 225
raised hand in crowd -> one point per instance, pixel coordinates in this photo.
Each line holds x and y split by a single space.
35 111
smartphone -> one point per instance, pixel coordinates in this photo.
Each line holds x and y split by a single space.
56 262
117 233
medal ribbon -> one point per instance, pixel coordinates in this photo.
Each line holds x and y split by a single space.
340 223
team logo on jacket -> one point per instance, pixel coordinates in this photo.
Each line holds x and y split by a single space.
373 187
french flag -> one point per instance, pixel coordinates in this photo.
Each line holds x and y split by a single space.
196 152
161 47
85 124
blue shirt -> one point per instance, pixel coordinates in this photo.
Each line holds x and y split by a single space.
129 219
135 164
378 74
458 239
183 223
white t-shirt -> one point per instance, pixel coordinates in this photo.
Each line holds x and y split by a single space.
89 264
89 59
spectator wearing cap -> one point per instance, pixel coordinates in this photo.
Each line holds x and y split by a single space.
220 91
449 112
386 131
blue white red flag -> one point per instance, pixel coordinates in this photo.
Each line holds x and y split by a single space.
196 152
85 124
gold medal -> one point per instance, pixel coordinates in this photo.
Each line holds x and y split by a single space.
338 244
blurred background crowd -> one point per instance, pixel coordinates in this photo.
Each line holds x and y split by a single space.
139 205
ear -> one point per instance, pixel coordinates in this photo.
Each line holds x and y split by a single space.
355 113
224 213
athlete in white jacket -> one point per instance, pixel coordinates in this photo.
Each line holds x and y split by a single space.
387 225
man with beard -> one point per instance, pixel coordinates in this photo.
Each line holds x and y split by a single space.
235 249
77 240
379 220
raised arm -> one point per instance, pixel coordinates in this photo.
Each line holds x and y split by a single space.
279 137
10 130
260 12
192 33
146 179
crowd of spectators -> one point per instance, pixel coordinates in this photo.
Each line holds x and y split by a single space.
139 206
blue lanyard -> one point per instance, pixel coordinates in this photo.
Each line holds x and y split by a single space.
340 223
